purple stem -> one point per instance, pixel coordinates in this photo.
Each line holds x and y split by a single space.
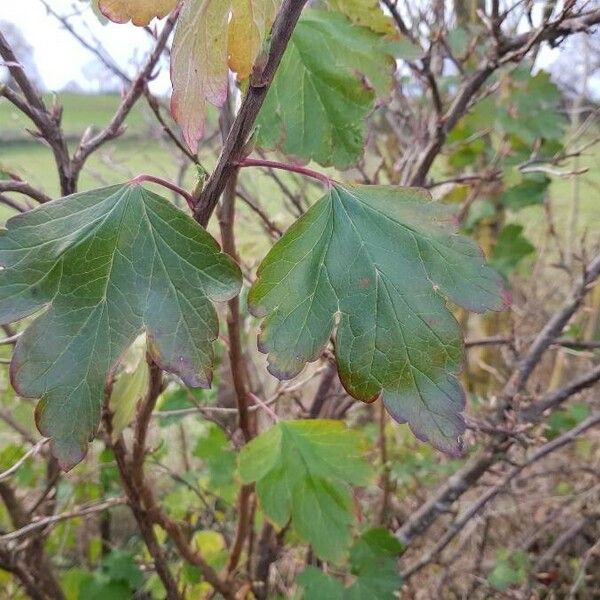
258 162
167 184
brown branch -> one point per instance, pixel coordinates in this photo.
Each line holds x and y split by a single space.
400 24
322 392
48 123
500 340
511 50
13 204
550 332
534 411
143 503
253 205
89 144
475 507
95 49
45 522
237 359
22 187
475 468
155 108
135 502
234 147
43 583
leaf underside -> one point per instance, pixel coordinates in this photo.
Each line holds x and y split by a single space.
302 470
375 263
102 267
315 108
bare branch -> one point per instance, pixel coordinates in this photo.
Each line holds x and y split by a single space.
233 150
475 507
45 522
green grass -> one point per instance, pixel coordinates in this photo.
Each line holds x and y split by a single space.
533 218
80 111
138 152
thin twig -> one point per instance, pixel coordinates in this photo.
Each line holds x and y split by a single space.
81 511
31 452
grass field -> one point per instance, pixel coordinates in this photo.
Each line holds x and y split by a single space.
79 112
140 150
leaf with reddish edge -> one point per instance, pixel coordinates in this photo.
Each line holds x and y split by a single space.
375 263
102 267
199 65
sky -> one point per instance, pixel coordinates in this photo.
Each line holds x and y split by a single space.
125 43
52 43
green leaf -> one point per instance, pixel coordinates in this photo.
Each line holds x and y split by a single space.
315 108
531 190
104 266
214 449
366 13
319 586
510 249
377 261
373 559
510 569
302 470
120 566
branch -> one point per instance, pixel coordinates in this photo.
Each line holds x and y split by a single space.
511 49
136 504
271 164
114 129
475 507
13 204
31 452
551 331
470 473
33 106
139 179
81 511
534 411
22 187
234 148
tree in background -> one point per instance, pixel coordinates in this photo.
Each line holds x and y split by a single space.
350 157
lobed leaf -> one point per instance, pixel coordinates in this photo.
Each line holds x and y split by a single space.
377 262
315 108
302 470
373 561
102 267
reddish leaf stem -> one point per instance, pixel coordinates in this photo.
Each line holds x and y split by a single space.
167 184
271 164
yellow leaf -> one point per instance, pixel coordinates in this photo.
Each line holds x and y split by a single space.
250 23
367 13
131 385
199 64
139 12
